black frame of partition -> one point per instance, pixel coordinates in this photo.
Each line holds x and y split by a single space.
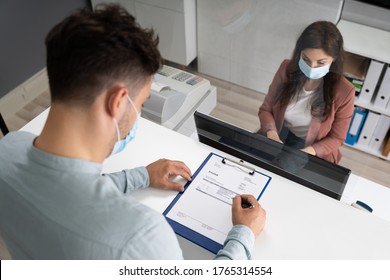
208 128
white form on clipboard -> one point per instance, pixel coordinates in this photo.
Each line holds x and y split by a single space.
202 213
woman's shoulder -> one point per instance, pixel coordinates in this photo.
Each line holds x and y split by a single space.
346 88
345 85
283 68
285 63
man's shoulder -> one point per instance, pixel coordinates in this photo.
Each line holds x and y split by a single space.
15 144
17 137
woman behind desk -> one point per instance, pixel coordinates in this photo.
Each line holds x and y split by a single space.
310 103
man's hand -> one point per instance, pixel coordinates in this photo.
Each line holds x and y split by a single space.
162 171
254 218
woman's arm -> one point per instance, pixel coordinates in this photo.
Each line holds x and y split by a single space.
266 113
344 107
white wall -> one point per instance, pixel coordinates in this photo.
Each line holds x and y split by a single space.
173 20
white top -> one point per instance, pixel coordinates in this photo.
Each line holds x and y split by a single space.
298 114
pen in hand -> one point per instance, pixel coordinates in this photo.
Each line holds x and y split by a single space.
246 204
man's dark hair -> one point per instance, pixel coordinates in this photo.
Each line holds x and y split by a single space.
90 50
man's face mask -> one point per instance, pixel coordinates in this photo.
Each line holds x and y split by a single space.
121 143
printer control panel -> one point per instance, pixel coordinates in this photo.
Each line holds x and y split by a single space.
181 81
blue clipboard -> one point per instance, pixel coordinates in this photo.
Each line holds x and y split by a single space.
189 233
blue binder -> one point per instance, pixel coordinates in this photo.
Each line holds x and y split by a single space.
356 125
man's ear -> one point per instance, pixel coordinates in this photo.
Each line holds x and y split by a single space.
116 101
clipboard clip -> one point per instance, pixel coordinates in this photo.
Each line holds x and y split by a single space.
239 164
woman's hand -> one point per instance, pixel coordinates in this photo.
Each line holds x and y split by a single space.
309 150
273 134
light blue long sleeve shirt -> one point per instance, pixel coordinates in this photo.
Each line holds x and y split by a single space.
53 207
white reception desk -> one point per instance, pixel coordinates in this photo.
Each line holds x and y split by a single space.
301 223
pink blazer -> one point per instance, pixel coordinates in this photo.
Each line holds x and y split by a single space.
325 137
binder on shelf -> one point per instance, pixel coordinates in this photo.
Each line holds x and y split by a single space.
356 125
379 134
383 96
370 82
368 129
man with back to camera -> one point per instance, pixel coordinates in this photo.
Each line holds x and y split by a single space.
54 201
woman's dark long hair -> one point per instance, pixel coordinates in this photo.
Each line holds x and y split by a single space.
318 35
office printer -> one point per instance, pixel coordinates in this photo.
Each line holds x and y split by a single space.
175 95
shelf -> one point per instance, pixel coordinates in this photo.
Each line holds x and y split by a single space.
371 107
366 150
365 41
355 66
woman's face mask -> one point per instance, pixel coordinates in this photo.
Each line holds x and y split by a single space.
313 73
121 143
